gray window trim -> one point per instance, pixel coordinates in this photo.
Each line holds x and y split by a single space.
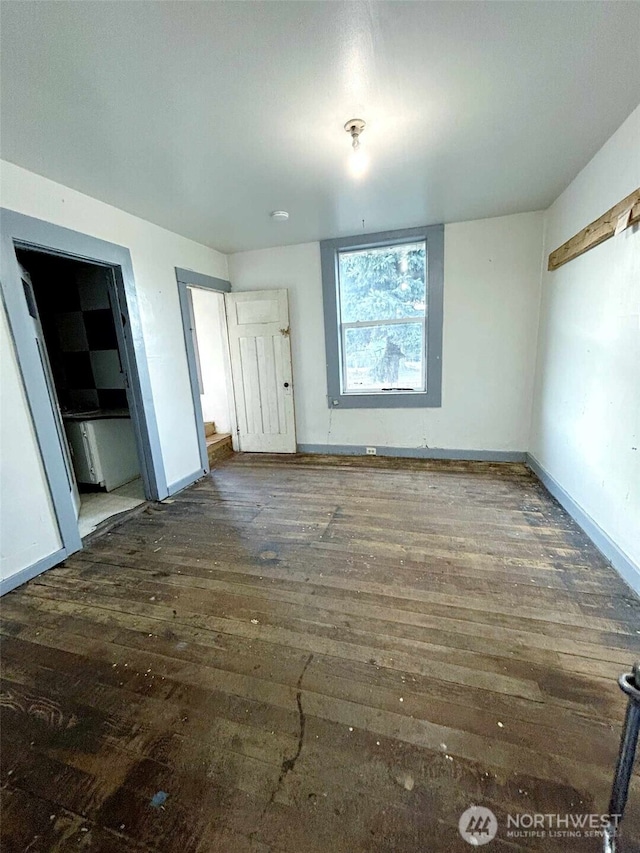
433 235
20 231
187 279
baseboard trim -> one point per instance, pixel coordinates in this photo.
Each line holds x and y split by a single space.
621 562
417 452
179 485
30 572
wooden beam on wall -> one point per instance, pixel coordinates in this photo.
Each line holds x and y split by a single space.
597 232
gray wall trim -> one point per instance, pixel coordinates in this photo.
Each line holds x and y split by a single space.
194 337
187 279
37 568
27 232
434 237
621 562
192 361
417 452
38 401
20 231
36 390
200 280
139 394
181 484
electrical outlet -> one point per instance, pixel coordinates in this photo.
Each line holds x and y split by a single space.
371 451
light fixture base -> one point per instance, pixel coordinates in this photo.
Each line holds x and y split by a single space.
355 126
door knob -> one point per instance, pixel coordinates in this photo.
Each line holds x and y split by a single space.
286 384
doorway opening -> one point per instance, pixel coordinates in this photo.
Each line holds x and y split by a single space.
243 338
208 327
73 306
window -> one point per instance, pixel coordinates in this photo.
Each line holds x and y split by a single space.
383 318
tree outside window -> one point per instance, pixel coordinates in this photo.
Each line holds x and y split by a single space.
382 304
383 315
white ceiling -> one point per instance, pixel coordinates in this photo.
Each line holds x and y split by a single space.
205 116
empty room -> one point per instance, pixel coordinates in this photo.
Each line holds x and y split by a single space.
320 426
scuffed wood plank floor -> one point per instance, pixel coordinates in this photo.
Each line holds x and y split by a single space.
318 655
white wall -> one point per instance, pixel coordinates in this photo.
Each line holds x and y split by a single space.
208 309
28 531
154 253
586 418
491 296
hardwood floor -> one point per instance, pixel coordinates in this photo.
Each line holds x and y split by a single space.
318 655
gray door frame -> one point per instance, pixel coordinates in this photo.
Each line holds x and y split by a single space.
187 279
18 231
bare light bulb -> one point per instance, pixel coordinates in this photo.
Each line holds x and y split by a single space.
358 161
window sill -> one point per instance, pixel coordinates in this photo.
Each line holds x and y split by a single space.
386 400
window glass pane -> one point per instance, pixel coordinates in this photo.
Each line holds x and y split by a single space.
387 283
379 357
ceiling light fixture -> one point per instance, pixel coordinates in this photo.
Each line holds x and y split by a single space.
354 127
279 215
359 161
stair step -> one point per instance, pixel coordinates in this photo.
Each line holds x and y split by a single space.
218 438
209 428
219 447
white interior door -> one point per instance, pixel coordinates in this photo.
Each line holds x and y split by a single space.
258 324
